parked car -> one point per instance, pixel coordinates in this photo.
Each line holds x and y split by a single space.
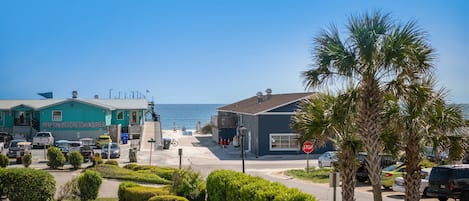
103 139
390 173
449 181
5 138
327 159
432 156
43 139
13 148
115 150
86 149
64 146
399 186
75 146
362 172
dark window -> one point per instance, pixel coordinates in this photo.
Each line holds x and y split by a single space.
439 174
462 173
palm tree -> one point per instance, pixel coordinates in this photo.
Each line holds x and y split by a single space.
376 52
325 118
422 115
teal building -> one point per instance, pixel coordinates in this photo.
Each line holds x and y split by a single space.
73 118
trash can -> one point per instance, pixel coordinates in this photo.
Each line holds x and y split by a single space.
166 143
133 155
125 138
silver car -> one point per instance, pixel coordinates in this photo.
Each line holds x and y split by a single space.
13 148
327 159
115 150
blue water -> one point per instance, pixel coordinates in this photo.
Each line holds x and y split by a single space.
185 115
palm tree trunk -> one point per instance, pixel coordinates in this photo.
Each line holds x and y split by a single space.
413 174
369 109
348 169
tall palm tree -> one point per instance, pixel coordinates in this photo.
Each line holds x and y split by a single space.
323 118
422 115
376 52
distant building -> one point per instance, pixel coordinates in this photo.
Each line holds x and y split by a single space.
267 119
73 118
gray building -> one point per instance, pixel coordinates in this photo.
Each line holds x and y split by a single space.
267 119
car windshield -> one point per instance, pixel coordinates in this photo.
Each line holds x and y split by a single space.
391 168
42 135
113 146
75 144
14 143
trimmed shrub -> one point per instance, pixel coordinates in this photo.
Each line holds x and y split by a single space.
27 159
89 183
76 159
70 190
21 184
235 186
4 160
97 159
163 172
143 193
112 162
130 166
55 157
123 187
189 184
167 198
116 172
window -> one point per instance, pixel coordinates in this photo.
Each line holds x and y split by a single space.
284 142
120 115
56 115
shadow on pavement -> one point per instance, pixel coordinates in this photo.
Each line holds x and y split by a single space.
229 152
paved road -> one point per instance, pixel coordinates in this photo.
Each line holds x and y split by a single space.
202 154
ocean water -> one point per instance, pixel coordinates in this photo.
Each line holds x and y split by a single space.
185 115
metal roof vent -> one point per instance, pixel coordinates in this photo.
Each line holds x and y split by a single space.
74 94
268 91
259 97
96 96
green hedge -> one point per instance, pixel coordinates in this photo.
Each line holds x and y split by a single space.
167 198
235 186
76 159
116 172
163 172
56 158
123 187
27 184
112 162
89 183
143 193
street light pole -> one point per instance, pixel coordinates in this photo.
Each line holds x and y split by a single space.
242 131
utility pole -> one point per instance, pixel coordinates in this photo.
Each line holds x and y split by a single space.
110 93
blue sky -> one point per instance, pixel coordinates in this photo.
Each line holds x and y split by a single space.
196 51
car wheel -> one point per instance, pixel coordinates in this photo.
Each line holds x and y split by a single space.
320 164
424 194
465 196
442 198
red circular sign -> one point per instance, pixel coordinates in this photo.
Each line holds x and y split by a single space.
308 147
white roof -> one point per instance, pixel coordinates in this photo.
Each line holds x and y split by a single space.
110 104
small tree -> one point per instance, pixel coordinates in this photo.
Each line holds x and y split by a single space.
76 159
189 184
4 160
27 159
97 159
55 157
70 190
89 183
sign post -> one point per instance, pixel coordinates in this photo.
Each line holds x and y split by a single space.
180 157
151 141
308 147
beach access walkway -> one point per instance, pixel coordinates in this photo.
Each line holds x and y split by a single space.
151 130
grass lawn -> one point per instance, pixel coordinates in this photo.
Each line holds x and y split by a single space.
316 175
